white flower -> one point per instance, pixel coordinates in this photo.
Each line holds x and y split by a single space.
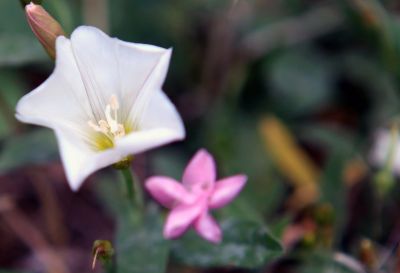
104 102
385 146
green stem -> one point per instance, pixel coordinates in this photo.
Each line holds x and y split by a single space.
135 193
109 266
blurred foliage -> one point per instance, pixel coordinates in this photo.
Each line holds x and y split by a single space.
305 90
37 147
245 245
18 45
140 246
325 262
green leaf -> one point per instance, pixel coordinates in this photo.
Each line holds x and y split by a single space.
36 147
245 244
139 244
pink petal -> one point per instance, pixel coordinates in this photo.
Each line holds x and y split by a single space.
200 171
167 191
226 190
208 228
180 219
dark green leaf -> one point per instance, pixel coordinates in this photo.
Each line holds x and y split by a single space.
245 244
140 246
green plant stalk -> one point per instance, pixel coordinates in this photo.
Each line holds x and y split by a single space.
109 266
134 189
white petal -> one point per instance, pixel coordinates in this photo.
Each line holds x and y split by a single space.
161 124
61 100
381 150
140 65
110 66
79 160
150 87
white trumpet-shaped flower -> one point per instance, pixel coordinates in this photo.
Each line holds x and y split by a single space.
104 102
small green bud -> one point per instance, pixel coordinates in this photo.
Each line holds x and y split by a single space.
367 253
102 250
123 163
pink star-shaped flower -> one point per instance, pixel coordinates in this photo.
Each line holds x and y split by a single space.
191 200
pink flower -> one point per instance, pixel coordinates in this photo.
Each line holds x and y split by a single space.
191 200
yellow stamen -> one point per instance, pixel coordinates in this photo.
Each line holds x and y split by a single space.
110 128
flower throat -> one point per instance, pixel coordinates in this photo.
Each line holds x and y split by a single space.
110 129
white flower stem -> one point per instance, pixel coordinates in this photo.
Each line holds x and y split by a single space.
135 192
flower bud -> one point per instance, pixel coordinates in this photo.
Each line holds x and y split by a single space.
367 253
45 27
103 251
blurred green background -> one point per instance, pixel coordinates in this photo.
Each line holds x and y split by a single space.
289 92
